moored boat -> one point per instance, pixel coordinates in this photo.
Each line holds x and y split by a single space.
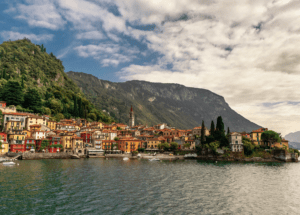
8 163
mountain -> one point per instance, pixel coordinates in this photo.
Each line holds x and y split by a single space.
293 137
35 81
294 145
153 103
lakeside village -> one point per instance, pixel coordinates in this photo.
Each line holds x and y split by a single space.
27 133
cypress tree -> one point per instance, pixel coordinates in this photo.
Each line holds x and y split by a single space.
22 84
75 110
228 131
212 128
12 93
202 133
32 100
79 108
220 125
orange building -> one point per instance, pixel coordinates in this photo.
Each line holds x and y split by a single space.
129 144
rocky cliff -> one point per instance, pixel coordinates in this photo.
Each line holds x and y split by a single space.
153 103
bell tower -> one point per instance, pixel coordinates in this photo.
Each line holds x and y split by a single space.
131 117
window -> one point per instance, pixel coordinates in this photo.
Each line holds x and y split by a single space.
236 142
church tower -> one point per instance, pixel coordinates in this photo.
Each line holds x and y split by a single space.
131 117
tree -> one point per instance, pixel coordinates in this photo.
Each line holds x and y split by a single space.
117 138
203 133
12 93
270 137
228 131
75 110
22 83
220 125
212 128
173 146
219 133
164 146
32 100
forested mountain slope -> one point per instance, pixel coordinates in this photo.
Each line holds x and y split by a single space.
35 81
153 103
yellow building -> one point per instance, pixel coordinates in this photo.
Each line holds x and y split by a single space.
77 142
4 148
35 120
51 125
13 125
153 143
16 138
256 136
66 141
27 133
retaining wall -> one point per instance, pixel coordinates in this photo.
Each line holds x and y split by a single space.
38 156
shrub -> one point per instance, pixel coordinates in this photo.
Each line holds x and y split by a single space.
141 149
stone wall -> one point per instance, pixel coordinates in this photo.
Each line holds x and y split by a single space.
38 156
283 155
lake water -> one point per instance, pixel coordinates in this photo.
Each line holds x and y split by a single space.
114 186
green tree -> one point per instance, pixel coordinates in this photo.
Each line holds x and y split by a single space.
212 128
117 138
32 100
220 125
270 137
164 146
228 131
12 93
203 133
75 110
173 146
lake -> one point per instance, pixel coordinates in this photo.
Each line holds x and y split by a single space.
114 186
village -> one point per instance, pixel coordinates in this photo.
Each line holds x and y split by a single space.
31 133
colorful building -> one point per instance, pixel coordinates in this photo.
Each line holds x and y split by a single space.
129 145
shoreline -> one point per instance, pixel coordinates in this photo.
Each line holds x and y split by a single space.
42 156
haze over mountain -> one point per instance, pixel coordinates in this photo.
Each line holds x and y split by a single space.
153 103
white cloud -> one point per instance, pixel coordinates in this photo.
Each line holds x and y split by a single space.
108 54
12 35
40 13
218 48
91 35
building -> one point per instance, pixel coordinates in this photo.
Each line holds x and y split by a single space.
197 131
13 125
17 142
35 120
131 118
129 145
153 143
10 109
51 125
235 142
255 136
55 143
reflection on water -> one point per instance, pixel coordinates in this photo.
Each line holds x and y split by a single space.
114 186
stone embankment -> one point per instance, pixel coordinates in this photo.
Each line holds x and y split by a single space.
147 156
38 156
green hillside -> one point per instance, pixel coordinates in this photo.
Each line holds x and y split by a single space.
35 81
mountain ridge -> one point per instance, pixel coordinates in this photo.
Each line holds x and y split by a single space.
179 106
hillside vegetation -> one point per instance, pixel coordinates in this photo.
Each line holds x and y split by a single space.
153 103
35 81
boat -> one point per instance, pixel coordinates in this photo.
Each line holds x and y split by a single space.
125 159
8 163
154 159
190 155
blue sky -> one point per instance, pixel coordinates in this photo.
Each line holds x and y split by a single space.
246 51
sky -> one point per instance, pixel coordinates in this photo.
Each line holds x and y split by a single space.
246 51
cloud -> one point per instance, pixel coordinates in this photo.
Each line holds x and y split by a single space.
91 35
108 54
12 35
39 13
246 51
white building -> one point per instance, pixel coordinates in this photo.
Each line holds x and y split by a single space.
235 142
